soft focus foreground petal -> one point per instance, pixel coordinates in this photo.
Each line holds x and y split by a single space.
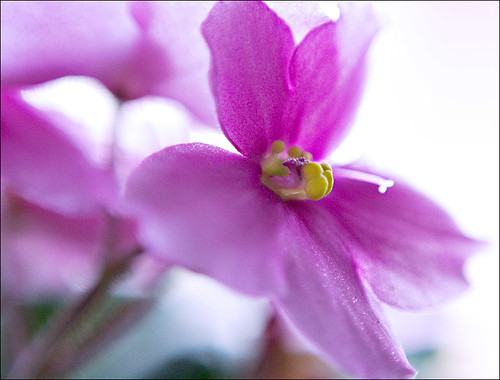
205 208
251 48
409 250
327 71
45 254
327 302
43 164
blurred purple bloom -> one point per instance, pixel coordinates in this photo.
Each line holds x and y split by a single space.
60 221
134 48
249 221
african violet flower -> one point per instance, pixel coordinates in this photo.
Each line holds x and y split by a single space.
326 245
60 225
133 48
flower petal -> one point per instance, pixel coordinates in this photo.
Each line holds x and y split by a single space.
46 254
251 48
39 39
173 29
56 254
41 163
327 303
409 250
301 16
205 208
327 70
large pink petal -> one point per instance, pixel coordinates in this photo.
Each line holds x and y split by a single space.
205 208
407 247
43 164
251 48
327 302
327 71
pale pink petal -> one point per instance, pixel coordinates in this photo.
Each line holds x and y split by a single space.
45 254
44 165
327 71
175 27
205 208
301 16
327 302
46 40
409 250
251 48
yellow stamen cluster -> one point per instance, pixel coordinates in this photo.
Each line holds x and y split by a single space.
314 182
318 180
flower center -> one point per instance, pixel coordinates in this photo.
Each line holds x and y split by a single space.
293 174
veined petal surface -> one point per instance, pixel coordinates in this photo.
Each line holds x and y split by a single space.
44 165
251 48
327 72
407 247
327 302
206 208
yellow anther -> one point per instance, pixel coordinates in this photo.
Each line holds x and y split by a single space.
311 170
326 166
305 179
276 168
316 188
295 152
329 176
277 146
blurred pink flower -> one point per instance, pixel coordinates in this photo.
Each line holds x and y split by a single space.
263 221
134 48
60 221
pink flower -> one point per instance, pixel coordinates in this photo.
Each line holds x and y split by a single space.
325 245
60 221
